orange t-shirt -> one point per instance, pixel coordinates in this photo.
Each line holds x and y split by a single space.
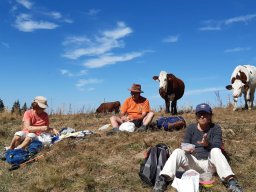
35 119
135 109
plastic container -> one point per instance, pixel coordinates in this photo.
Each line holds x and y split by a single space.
206 179
187 146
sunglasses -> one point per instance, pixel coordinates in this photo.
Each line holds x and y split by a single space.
200 114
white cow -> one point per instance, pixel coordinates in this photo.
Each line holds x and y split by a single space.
243 81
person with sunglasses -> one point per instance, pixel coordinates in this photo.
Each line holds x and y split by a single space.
35 122
205 156
135 109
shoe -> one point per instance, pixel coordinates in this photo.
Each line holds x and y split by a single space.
142 128
113 131
160 185
233 186
2 156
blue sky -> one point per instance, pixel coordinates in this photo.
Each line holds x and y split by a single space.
81 53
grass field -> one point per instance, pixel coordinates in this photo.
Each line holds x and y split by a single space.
111 163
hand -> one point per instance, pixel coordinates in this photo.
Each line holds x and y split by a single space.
191 150
204 141
129 118
55 132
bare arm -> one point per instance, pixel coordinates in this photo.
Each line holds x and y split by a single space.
32 129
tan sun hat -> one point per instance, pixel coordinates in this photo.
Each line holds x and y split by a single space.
136 88
41 101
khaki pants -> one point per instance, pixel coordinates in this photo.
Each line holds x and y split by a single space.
216 162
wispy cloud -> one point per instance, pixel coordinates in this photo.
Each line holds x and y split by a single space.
25 23
93 12
103 43
83 82
55 15
237 49
26 3
200 91
111 59
171 39
211 25
69 74
243 19
5 44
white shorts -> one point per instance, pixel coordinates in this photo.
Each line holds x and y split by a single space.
23 134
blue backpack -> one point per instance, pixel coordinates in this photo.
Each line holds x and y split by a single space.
16 156
171 123
34 147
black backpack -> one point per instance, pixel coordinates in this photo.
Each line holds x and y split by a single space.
154 163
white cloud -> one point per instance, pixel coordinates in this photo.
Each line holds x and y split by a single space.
200 91
55 15
171 39
83 82
25 23
110 59
218 25
93 12
76 40
25 3
237 49
69 74
104 43
244 19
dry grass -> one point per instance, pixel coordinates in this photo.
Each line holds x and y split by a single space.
111 164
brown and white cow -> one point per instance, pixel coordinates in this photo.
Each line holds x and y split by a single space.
243 81
109 107
171 89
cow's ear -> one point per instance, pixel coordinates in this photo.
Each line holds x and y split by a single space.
155 78
229 87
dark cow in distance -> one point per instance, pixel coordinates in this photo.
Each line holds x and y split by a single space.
243 81
171 89
109 107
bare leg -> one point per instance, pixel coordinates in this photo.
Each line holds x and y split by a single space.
15 141
25 143
148 118
115 121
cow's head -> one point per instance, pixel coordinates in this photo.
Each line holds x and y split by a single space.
238 88
163 80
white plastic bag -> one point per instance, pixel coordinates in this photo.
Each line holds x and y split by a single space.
127 126
46 139
189 182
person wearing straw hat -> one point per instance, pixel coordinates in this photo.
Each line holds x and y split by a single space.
135 109
35 122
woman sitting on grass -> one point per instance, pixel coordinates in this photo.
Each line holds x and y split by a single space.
35 122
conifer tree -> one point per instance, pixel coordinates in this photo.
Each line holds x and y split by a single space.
24 108
16 108
1 106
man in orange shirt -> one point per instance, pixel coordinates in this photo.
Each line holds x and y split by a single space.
135 109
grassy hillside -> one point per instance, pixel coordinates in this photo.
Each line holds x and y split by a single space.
111 163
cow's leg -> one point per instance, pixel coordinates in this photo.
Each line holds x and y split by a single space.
251 98
235 103
247 99
167 106
174 107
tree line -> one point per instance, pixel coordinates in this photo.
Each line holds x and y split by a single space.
16 107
